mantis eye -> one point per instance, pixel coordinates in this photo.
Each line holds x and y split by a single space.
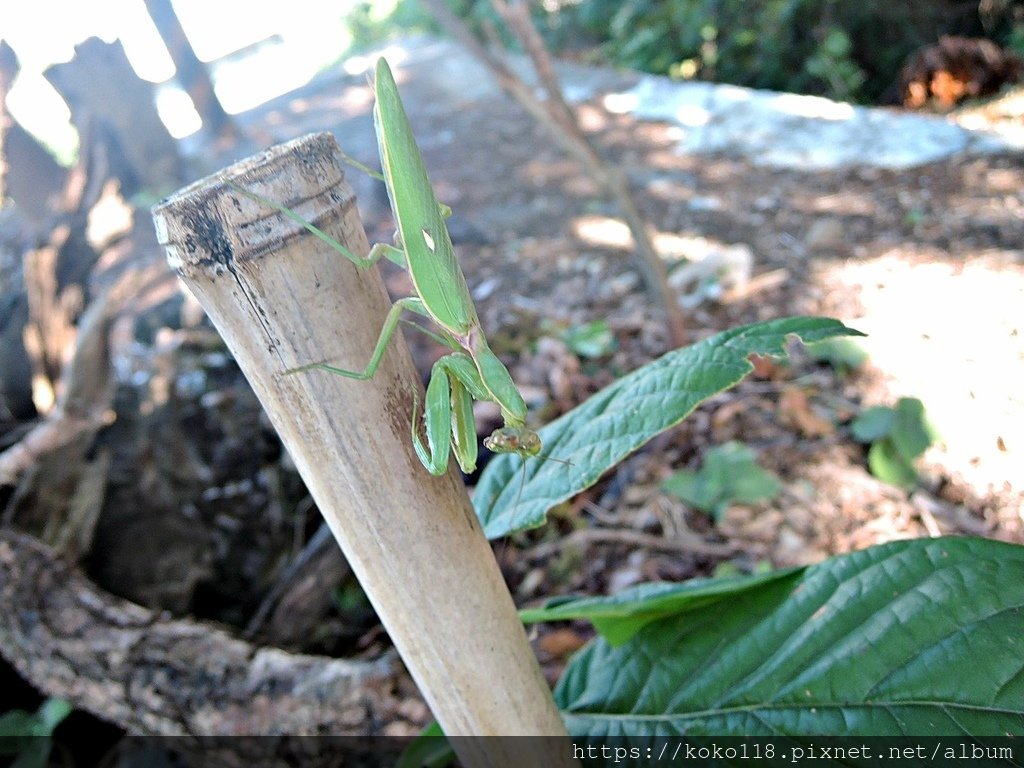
428 240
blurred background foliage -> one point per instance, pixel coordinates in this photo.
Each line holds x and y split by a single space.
844 49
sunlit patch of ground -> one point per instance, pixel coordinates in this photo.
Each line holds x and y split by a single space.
952 334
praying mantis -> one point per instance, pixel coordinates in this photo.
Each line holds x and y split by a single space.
424 247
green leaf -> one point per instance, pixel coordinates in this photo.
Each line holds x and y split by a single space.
729 475
873 424
616 421
842 354
910 638
890 466
752 484
911 435
430 749
621 616
17 724
52 713
698 489
27 734
590 340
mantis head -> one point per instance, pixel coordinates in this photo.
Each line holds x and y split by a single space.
518 440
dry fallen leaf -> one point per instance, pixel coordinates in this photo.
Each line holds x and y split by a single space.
766 367
795 409
559 643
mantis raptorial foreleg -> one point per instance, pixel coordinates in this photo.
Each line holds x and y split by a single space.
448 415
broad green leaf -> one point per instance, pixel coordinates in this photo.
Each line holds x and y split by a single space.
873 424
730 474
590 340
621 616
752 484
18 723
914 638
430 749
52 713
910 432
701 490
890 466
27 734
616 421
842 354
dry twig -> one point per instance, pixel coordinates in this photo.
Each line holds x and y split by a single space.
557 117
686 544
85 400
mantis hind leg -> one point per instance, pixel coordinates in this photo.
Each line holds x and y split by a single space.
376 252
411 303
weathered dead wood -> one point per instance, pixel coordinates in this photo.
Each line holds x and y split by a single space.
38 323
28 173
53 310
85 398
151 674
62 481
302 596
101 87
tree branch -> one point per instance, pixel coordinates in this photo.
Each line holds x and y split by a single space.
155 675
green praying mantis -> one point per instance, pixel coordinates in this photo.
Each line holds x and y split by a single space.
424 247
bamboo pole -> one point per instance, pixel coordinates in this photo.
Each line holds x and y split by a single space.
281 298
